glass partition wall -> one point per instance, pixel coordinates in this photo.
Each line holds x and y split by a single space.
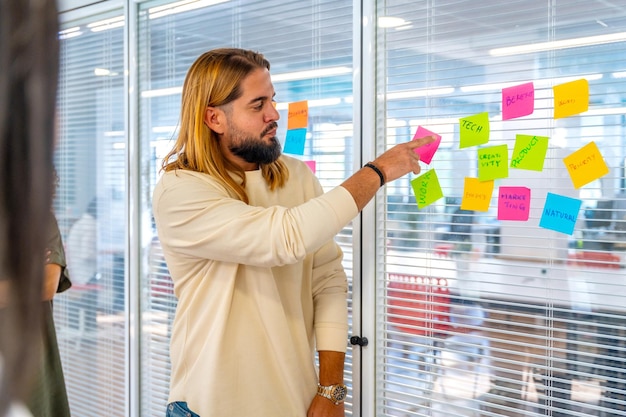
309 46
91 206
475 313
501 289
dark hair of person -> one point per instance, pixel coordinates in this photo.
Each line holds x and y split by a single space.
29 67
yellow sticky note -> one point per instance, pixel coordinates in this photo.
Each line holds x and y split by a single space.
476 194
298 115
571 98
586 165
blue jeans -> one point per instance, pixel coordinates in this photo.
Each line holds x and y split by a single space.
179 409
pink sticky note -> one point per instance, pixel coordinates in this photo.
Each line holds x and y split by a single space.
518 101
311 165
513 203
427 151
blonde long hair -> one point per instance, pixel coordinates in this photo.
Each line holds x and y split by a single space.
214 79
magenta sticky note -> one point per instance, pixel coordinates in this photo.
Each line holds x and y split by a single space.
311 164
518 101
513 203
427 151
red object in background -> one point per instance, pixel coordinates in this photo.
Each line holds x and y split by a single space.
444 249
419 305
594 259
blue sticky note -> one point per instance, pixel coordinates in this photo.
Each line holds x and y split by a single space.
560 213
294 142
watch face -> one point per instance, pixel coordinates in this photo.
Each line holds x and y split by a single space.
339 393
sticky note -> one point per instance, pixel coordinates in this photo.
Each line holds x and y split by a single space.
476 194
426 188
560 213
298 115
311 164
571 98
294 142
586 165
474 130
493 162
518 101
513 203
427 151
529 152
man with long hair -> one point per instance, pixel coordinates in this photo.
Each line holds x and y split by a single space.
248 236
29 65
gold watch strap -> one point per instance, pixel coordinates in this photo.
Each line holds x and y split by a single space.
326 392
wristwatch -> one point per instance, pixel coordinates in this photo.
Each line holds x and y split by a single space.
335 393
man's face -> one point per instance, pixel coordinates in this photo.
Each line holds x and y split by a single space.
250 137
254 149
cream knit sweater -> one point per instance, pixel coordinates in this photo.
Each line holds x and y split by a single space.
260 287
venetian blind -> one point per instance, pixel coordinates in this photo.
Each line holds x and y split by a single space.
91 209
502 289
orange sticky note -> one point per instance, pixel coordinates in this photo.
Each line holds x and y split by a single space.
586 165
571 98
298 115
476 194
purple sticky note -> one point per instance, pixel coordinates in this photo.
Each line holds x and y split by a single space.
311 164
518 101
427 151
513 203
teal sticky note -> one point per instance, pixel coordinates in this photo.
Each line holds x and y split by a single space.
294 142
493 162
474 130
560 213
426 188
529 152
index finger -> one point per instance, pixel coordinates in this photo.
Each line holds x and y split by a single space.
416 143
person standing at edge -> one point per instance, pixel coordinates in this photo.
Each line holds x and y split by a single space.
248 237
29 72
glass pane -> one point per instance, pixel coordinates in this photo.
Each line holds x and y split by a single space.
309 47
91 208
504 296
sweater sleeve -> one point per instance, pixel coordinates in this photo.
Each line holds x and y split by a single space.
330 292
197 218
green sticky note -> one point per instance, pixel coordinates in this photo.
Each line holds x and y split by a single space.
426 189
474 130
529 152
493 162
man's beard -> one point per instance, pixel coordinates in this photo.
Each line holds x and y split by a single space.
255 150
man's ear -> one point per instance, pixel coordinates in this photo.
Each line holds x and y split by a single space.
215 119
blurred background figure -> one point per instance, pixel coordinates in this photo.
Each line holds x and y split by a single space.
29 65
82 253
